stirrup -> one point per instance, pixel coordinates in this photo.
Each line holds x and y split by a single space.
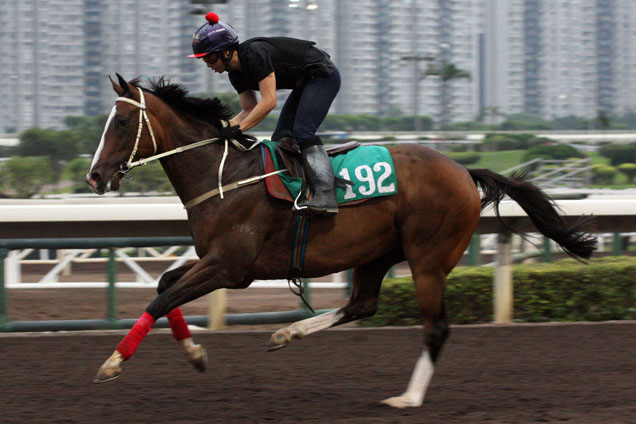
307 209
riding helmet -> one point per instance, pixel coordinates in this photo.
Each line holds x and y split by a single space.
213 36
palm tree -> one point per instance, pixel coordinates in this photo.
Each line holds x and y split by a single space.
493 112
446 72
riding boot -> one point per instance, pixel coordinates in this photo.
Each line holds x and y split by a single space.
320 177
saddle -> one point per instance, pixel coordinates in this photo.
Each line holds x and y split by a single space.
288 153
366 171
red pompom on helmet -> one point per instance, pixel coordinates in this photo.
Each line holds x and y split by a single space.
213 36
212 17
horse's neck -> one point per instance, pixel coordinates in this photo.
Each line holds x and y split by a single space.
196 171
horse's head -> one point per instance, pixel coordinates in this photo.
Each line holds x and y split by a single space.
128 134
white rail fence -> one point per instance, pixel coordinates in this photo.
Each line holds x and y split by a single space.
118 217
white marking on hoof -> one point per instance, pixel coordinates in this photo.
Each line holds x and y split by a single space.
403 401
421 377
303 328
279 339
111 369
198 357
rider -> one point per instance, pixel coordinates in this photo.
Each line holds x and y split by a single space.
265 65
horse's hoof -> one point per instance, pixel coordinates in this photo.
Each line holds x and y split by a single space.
401 402
279 340
110 370
198 357
103 377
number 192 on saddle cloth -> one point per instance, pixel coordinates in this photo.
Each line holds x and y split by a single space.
369 168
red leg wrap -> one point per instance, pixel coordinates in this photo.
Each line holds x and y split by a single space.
178 325
129 345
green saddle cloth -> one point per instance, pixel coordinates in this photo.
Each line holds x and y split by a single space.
369 168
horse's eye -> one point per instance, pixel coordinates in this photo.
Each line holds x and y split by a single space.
121 121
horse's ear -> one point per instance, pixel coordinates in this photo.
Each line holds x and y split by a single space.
118 88
123 84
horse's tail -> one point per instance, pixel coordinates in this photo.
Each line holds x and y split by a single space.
575 239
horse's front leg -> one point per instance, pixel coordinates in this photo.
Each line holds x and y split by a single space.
195 353
207 275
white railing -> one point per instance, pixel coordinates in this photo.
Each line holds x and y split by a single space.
107 218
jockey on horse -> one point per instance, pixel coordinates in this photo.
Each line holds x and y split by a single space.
268 64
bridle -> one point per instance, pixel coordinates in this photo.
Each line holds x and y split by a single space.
125 167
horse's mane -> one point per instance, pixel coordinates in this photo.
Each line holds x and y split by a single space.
207 110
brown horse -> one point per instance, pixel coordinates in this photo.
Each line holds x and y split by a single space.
246 235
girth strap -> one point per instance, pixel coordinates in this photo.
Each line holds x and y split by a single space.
229 187
298 246
301 227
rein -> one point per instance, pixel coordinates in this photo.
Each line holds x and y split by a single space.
143 116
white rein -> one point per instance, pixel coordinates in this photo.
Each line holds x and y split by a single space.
143 161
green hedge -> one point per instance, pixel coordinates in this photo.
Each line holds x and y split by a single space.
562 291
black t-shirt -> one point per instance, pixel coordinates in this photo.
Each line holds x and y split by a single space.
291 60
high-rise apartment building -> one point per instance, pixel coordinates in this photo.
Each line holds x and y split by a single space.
55 55
624 65
551 58
381 48
558 58
42 62
147 38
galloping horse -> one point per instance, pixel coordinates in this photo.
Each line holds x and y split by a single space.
246 234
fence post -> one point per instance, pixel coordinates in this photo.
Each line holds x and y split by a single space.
547 250
474 251
503 289
217 305
618 245
12 268
4 319
112 291
306 290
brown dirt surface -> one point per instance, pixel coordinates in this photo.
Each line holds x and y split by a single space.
486 374
579 373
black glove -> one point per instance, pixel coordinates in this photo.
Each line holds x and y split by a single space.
235 133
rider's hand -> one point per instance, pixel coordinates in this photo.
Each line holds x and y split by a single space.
235 133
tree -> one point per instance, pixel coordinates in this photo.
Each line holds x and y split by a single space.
619 153
553 151
604 121
447 72
491 111
524 122
75 171
25 176
56 145
629 169
88 131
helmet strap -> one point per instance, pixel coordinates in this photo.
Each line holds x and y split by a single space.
226 59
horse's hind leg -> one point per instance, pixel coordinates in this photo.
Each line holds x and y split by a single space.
366 282
429 289
195 353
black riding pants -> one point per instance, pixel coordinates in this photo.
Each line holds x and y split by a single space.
306 108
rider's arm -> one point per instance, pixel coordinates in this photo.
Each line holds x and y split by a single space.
248 101
254 116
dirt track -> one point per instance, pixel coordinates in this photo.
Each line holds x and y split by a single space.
519 374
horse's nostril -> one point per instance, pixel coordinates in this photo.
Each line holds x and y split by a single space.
93 179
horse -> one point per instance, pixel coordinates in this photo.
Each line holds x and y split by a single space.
245 234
